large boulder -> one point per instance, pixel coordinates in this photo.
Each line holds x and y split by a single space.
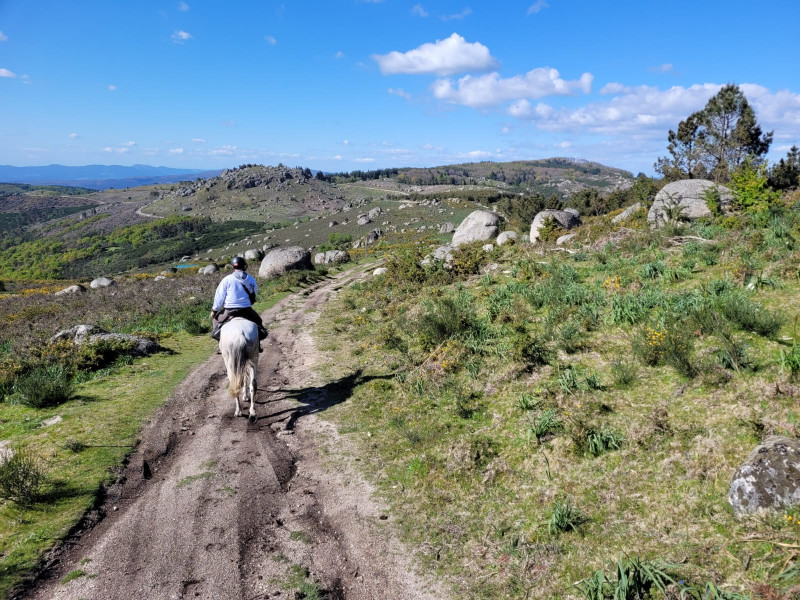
374 213
253 254
566 219
631 210
566 239
507 237
447 228
280 260
769 479
208 269
479 226
72 290
92 334
363 220
332 257
101 282
685 199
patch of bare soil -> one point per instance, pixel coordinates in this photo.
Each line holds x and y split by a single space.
211 507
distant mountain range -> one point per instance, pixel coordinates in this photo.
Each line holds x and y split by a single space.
99 177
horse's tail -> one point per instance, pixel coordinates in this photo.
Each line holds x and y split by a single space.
239 367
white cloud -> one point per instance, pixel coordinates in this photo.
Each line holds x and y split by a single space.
108 149
124 150
338 55
129 143
112 88
457 16
399 92
26 79
614 88
345 142
491 89
183 7
7 73
179 36
477 154
198 140
176 150
521 109
3 37
665 68
418 11
228 123
226 150
506 129
337 157
73 136
270 40
444 57
564 145
537 6
364 160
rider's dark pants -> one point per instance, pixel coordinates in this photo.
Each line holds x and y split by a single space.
227 314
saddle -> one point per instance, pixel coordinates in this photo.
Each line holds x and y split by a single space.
245 313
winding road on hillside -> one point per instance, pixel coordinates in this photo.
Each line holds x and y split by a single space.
211 507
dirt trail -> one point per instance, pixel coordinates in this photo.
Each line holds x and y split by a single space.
214 508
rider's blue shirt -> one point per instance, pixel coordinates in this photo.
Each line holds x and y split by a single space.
232 291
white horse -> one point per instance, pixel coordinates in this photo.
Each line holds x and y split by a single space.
239 344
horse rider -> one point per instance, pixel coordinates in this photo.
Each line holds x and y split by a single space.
234 297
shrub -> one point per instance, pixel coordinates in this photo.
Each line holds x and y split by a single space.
733 354
677 348
468 259
404 267
629 309
21 477
549 230
648 345
530 348
445 318
750 316
624 372
564 516
44 386
652 270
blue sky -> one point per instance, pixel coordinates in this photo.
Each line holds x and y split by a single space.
357 84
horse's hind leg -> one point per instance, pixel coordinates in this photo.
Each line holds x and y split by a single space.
238 411
252 385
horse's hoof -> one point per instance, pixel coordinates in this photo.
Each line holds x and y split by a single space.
251 420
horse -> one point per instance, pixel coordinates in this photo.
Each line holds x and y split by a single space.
239 344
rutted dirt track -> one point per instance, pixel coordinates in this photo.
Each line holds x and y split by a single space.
212 507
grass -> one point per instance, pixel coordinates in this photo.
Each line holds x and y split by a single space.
646 446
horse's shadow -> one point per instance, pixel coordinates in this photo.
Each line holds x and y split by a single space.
316 399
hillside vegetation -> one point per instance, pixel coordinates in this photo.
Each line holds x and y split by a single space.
535 415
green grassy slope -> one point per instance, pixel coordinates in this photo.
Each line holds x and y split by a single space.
531 425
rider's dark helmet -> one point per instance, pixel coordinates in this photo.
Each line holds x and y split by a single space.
239 263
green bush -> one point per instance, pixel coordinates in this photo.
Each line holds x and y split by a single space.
624 372
748 315
445 318
21 477
44 386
